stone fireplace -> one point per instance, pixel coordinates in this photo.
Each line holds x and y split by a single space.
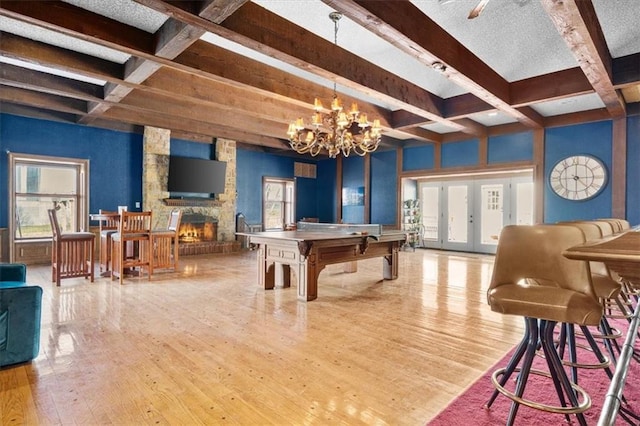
209 224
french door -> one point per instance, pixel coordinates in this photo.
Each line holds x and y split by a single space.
468 215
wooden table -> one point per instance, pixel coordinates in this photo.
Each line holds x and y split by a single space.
105 241
621 253
309 251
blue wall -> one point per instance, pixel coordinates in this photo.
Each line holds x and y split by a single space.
593 139
418 158
352 180
384 181
460 154
116 168
326 205
252 166
508 148
633 170
115 158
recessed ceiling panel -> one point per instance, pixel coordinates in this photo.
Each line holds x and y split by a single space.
620 22
125 11
313 15
44 35
492 118
439 128
569 105
513 37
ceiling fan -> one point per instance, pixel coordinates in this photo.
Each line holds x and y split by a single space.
476 11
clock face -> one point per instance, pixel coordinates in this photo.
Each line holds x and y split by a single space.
578 177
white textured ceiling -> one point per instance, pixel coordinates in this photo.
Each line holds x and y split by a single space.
514 37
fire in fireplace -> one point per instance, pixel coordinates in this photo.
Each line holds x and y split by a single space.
196 227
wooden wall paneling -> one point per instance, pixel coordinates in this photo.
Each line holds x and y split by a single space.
538 174
339 189
619 168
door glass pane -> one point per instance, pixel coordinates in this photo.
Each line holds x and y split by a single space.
430 212
524 203
491 213
458 212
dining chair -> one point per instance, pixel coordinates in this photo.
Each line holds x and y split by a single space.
165 243
72 253
134 229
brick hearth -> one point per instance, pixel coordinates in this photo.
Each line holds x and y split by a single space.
207 247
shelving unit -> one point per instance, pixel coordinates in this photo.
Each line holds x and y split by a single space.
412 222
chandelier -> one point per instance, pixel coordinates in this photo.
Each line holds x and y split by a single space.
337 131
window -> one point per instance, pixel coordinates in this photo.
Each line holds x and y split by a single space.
278 202
39 183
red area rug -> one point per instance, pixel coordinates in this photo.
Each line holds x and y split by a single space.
469 408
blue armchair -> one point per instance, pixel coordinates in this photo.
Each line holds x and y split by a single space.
13 272
20 309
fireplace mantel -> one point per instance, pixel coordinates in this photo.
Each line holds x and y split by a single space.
186 202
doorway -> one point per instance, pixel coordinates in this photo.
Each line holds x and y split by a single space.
468 214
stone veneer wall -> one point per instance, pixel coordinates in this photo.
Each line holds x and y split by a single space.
156 150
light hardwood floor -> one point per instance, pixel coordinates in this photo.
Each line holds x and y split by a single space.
206 345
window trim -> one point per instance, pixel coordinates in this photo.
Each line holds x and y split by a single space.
82 206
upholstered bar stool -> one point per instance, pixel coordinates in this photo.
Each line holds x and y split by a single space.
535 252
608 291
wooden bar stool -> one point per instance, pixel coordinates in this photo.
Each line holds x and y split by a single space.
108 226
134 229
535 252
165 243
72 253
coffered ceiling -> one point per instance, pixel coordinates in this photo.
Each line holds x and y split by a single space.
244 69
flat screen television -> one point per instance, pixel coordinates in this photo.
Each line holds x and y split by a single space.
196 175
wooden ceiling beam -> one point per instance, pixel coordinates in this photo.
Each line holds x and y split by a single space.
626 71
37 53
42 100
172 38
195 111
462 105
406 27
543 88
404 119
11 75
8 107
212 60
256 28
578 24
117 112
425 135
206 92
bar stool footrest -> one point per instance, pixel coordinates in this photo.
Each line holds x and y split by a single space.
582 407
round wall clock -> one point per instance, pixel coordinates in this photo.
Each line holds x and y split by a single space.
578 177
